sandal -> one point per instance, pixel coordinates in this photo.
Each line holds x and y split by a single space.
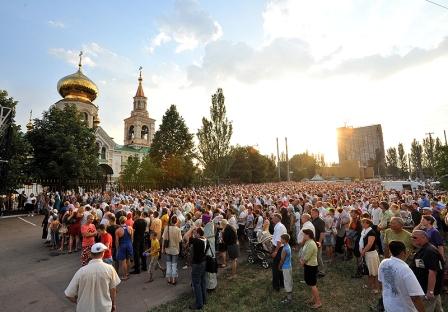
125 278
316 306
223 266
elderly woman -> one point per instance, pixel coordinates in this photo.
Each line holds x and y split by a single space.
173 236
367 249
309 263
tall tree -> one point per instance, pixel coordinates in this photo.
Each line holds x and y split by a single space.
214 139
402 161
130 172
441 160
64 147
392 161
249 166
428 156
417 158
303 166
172 150
14 149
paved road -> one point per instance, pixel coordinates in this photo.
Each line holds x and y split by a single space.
31 279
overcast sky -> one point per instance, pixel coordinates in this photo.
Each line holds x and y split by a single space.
288 67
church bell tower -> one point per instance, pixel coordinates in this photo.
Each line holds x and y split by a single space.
139 128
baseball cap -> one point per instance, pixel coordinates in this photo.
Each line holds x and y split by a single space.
98 247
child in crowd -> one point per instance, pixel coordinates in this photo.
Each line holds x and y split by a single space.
106 239
285 266
54 230
153 253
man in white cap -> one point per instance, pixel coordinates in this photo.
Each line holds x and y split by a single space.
93 287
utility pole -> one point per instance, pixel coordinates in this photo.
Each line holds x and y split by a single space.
431 161
287 160
278 161
444 134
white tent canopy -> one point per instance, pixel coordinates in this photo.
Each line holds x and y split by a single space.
317 178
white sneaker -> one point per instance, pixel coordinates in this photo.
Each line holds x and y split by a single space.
185 267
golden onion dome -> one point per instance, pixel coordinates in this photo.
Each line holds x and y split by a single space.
78 86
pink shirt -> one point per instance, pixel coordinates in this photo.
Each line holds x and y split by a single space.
88 241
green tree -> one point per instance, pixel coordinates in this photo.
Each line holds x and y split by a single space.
64 147
428 156
303 166
249 166
417 158
441 159
172 150
149 173
402 161
14 149
214 139
392 161
130 172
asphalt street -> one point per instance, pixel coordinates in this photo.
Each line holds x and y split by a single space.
33 279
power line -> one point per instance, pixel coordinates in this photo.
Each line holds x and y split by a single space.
435 3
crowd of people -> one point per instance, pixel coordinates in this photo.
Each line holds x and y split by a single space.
397 238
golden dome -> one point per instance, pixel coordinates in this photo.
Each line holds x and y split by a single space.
78 86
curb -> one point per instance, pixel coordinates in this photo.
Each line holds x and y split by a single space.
13 216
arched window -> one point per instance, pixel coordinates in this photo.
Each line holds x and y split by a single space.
103 153
145 132
98 148
131 132
84 117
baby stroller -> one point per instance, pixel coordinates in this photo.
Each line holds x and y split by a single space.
259 250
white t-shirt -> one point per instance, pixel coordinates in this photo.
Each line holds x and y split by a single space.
399 284
279 230
307 225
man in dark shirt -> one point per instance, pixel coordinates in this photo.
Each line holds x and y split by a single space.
416 215
319 227
139 243
427 266
198 265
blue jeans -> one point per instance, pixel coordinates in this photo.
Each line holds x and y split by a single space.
199 285
171 266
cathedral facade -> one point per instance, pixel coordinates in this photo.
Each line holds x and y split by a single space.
78 90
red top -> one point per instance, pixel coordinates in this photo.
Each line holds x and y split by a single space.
106 239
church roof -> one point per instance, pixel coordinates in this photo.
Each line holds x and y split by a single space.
140 92
128 148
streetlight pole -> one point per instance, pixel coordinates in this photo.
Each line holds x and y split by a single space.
278 161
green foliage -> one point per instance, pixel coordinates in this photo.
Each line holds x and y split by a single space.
14 149
214 139
131 170
144 172
249 166
172 138
402 161
64 147
429 157
392 162
417 158
441 163
303 166
172 151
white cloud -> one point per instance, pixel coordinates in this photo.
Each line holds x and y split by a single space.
188 26
71 56
225 60
56 24
94 55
